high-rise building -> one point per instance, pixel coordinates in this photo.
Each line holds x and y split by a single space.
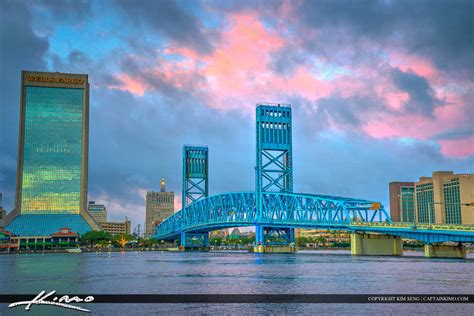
97 211
51 180
159 206
444 198
402 207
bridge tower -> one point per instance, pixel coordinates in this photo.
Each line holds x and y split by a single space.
274 165
195 187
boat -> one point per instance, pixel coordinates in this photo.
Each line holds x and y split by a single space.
74 250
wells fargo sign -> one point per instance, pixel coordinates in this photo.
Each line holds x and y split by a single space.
67 80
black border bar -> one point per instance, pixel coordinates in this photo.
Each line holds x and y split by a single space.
255 298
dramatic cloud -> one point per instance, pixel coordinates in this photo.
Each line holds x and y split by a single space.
168 19
422 97
20 49
380 90
436 29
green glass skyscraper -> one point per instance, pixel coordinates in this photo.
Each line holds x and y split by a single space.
51 187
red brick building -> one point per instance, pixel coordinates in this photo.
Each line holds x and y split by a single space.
395 193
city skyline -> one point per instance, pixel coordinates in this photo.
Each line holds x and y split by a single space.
412 119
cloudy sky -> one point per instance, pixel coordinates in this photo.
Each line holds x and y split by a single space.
380 90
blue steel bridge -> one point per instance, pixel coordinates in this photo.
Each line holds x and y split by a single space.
273 208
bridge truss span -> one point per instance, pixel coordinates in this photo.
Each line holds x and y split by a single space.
311 208
279 209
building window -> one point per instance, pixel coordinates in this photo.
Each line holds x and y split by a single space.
424 203
452 202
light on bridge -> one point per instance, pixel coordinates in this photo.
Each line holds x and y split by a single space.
375 206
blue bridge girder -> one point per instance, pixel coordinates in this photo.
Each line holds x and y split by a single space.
295 210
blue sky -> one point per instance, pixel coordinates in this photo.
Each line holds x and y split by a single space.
380 91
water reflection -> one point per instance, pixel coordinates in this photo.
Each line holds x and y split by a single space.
232 272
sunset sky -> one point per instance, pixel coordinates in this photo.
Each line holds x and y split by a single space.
380 90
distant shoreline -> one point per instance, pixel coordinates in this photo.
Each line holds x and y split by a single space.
168 249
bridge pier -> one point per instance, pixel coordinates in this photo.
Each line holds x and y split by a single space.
375 245
445 251
194 242
265 237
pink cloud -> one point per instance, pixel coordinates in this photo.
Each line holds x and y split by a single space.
177 202
133 85
399 124
421 66
395 126
457 147
238 73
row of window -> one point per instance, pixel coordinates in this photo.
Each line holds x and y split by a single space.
407 206
276 133
452 200
275 113
159 199
196 166
424 204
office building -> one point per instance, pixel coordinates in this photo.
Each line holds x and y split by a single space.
51 180
159 206
117 228
402 201
443 198
97 211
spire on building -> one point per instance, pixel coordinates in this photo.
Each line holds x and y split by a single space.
163 189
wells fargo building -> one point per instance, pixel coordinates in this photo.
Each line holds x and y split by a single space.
51 181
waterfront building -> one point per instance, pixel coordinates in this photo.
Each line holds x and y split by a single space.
97 211
51 179
323 236
117 228
444 198
62 239
6 244
235 234
223 233
402 201
159 206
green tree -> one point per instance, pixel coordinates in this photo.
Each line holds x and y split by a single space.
321 240
95 237
302 241
215 241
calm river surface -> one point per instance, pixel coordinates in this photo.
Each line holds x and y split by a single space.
307 272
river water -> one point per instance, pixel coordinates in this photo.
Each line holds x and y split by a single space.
307 272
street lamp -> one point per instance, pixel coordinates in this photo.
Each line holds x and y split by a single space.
429 215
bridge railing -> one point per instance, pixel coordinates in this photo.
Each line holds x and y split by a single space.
417 225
